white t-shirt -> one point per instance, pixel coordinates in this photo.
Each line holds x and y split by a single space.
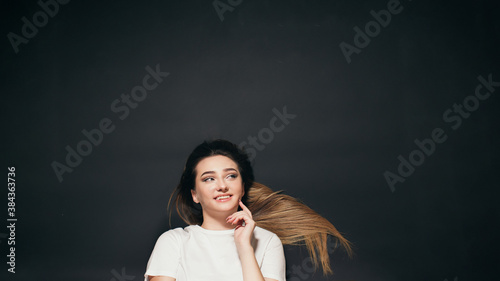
198 254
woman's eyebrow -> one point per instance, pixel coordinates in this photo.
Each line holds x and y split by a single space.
225 170
207 172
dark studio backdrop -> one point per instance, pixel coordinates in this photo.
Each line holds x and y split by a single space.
380 115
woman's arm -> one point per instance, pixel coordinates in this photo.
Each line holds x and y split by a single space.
242 238
161 278
251 270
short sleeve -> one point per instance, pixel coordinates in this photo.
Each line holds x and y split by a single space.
273 264
164 260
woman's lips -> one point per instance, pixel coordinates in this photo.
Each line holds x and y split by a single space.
223 197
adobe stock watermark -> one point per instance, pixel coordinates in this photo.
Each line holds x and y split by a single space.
49 8
372 29
266 135
121 276
453 116
221 7
122 107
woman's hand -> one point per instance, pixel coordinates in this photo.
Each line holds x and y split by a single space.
242 233
242 238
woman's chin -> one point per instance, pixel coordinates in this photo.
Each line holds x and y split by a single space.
225 207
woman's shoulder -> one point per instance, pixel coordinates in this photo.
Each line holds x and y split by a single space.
266 240
177 233
261 233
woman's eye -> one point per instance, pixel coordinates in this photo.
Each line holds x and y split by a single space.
207 179
233 176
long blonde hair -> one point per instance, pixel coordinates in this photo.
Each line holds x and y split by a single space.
293 222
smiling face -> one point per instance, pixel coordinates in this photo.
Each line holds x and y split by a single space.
218 186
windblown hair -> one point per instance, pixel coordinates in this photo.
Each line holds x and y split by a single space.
293 222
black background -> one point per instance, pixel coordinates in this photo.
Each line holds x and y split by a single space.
352 122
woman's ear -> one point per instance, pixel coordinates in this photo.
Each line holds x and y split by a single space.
195 198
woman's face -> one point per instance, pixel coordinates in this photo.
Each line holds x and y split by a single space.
218 184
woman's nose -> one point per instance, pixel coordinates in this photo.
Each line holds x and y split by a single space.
222 186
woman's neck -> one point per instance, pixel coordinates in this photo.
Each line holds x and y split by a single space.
216 223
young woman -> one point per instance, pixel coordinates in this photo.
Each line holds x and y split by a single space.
236 226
